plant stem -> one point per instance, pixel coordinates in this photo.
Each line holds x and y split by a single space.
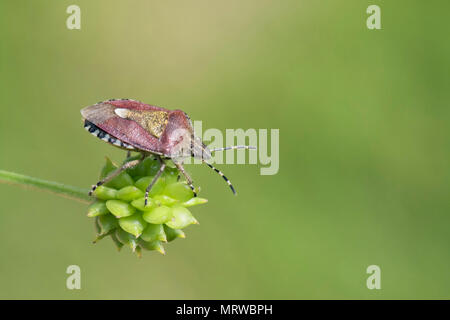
51 186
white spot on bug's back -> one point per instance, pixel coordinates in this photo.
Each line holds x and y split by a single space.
121 112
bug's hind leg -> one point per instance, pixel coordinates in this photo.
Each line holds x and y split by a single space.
158 174
187 177
222 175
127 165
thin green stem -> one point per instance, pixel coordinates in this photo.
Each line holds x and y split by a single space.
51 186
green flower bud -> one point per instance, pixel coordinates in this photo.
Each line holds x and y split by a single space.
97 226
133 224
140 204
142 169
101 236
181 218
121 181
194 201
157 188
154 245
120 213
170 175
116 241
108 168
106 223
154 232
163 199
180 191
127 239
120 208
105 193
158 215
129 193
172 234
97 208
153 167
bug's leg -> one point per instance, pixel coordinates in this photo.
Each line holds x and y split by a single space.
127 165
128 154
233 148
221 174
158 174
187 177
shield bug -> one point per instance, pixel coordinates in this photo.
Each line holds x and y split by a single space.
150 130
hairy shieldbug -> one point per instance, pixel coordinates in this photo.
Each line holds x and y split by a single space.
149 130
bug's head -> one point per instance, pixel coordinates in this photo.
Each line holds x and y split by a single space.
180 139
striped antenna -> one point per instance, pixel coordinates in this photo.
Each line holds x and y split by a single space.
233 148
221 174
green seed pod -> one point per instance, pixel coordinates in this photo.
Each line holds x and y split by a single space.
153 167
120 213
108 168
105 193
127 239
170 175
116 241
101 236
143 168
180 191
158 215
172 234
157 188
154 232
119 208
154 245
97 208
107 223
121 181
133 224
129 193
194 201
181 218
139 204
97 229
161 199
142 183
97 226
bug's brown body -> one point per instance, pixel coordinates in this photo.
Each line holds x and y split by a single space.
136 126
147 128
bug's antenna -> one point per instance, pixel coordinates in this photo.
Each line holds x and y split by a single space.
233 148
221 174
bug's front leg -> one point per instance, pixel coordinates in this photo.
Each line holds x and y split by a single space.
127 165
158 174
187 177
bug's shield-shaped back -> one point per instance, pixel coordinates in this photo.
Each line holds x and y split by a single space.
153 121
116 119
148 128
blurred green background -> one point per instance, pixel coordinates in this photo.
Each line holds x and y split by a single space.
364 145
